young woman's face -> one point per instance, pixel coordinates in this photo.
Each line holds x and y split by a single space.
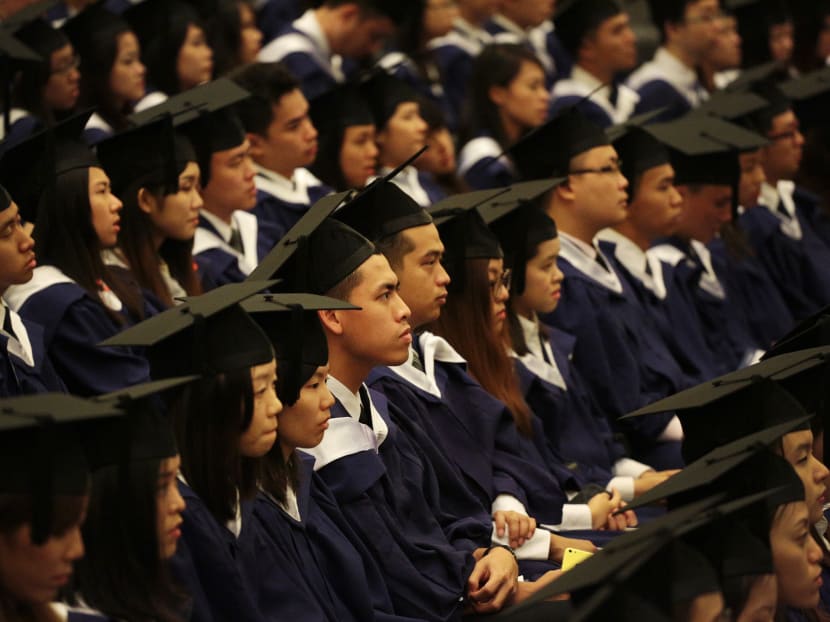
439 16
796 557
524 102
177 216
798 451
404 134
303 424
261 433
127 72
169 507
105 207
781 42
194 65
762 600
543 281
63 85
17 249
499 293
439 159
752 177
35 573
250 36
358 155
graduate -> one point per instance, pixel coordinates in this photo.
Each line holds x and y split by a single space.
400 132
154 169
232 34
225 244
508 98
721 62
623 359
339 576
325 44
112 74
578 431
688 28
598 36
225 422
134 517
283 142
347 155
73 295
439 160
44 493
24 366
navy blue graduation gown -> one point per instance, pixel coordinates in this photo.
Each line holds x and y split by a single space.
18 378
593 111
624 362
797 267
274 16
657 94
216 568
218 263
84 616
814 212
20 130
73 324
337 576
275 216
483 166
403 68
454 55
390 499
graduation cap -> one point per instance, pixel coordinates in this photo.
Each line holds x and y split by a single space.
293 325
771 72
812 332
41 453
384 93
639 151
33 12
31 167
733 405
206 334
547 150
14 54
37 33
206 116
810 94
149 154
732 105
575 19
520 225
340 107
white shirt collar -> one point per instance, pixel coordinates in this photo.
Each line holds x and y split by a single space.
472 32
308 24
635 260
352 404
434 348
19 344
583 257
534 360
510 26
679 75
578 74
222 228
783 191
407 180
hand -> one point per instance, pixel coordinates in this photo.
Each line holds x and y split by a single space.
622 521
558 544
650 479
493 581
604 505
526 589
519 527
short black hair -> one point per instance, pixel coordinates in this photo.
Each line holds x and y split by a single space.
267 83
667 11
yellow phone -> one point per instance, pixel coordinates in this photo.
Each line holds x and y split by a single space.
573 557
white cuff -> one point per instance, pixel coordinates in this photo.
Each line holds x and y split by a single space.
624 484
507 503
631 468
538 547
673 431
575 516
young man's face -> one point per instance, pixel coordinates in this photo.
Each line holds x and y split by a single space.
290 142
423 280
231 184
17 249
698 31
726 52
599 188
705 210
613 45
656 207
380 333
365 35
782 157
528 13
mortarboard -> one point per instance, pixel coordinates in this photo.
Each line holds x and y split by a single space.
771 72
205 115
575 19
639 151
13 56
520 225
206 334
735 106
812 332
148 154
37 33
382 210
547 150
340 107
384 93
293 325
809 95
41 451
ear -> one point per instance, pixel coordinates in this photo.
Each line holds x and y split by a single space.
330 320
147 201
349 12
498 95
257 145
564 192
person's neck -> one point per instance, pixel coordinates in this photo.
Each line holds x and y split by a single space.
512 130
641 239
222 214
508 15
469 15
282 171
3 289
157 238
349 370
706 75
680 54
603 74
328 20
287 452
772 178
573 226
521 309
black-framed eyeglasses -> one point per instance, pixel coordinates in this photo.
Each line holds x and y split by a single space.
503 280
789 135
66 67
708 18
608 169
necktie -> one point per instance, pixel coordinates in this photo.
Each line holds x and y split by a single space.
7 323
648 268
612 95
365 407
417 363
544 349
783 210
601 261
236 241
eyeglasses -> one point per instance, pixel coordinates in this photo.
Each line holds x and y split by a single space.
704 19
790 135
503 280
66 67
609 169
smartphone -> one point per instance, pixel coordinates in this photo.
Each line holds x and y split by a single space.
573 557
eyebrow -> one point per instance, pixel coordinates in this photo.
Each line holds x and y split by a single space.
388 287
433 253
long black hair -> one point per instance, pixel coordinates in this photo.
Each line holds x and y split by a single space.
121 533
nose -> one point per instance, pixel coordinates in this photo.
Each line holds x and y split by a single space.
799 138
820 471
675 197
142 70
75 545
443 276
27 242
422 125
196 202
117 204
814 554
402 311
558 275
327 401
372 150
248 168
623 182
311 131
177 505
